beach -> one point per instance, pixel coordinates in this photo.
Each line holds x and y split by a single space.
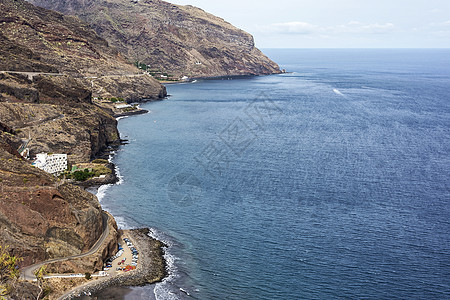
151 268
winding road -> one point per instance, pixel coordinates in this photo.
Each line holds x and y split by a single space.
30 75
28 272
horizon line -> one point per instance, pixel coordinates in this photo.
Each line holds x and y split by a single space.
361 48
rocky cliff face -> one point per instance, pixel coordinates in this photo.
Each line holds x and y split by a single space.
41 218
179 40
56 112
34 39
55 109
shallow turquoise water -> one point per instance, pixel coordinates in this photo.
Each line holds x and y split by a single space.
328 182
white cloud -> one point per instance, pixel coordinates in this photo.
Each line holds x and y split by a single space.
357 27
441 29
352 27
294 27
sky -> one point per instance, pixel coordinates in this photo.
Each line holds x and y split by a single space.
337 23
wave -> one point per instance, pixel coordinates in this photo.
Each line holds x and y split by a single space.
338 92
122 117
101 192
119 176
165 290
121 222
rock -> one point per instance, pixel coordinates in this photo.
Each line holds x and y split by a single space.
91 263
179 40
40 218
34 39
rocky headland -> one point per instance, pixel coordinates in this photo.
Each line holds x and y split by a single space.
172 39
41 217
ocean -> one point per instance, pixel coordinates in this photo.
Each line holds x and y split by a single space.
330 181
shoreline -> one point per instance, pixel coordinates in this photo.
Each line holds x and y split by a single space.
151 268
152 263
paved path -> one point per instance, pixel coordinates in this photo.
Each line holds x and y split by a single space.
32 74
28 272
118 75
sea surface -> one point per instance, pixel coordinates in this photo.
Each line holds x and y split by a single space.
328 182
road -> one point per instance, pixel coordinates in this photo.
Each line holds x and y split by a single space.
30 75
28 272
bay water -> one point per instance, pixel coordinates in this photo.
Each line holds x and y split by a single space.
330 181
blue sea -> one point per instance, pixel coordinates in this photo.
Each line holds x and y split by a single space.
330 181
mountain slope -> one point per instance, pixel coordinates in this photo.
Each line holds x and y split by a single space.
179 40
56 109
36 39
39 217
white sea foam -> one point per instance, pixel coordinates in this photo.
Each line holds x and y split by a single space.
120 177
101 192
111 156
121 223
165 290
120 118
338 92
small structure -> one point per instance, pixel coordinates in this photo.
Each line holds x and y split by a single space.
122 106
54 164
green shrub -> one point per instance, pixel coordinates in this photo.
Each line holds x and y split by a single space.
101 170
99 161
82 175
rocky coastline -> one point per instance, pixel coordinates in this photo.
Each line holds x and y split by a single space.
151 269
152 265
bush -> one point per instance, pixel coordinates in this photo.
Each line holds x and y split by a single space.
99 161
87 275
82 175
101 170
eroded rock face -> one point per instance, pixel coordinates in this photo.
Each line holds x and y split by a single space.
94 262
181 40
61 119
34 39
41 218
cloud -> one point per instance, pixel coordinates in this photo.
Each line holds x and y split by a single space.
357 27
441 29
352 27
294 27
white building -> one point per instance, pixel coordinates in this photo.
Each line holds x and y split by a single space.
122 106
54 164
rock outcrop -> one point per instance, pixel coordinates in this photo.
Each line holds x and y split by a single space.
92 263
57 113
50 66
41 217
34 39
179 40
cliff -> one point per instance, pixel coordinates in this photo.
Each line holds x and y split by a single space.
56 112
178 40
34 39
51 66
40 217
